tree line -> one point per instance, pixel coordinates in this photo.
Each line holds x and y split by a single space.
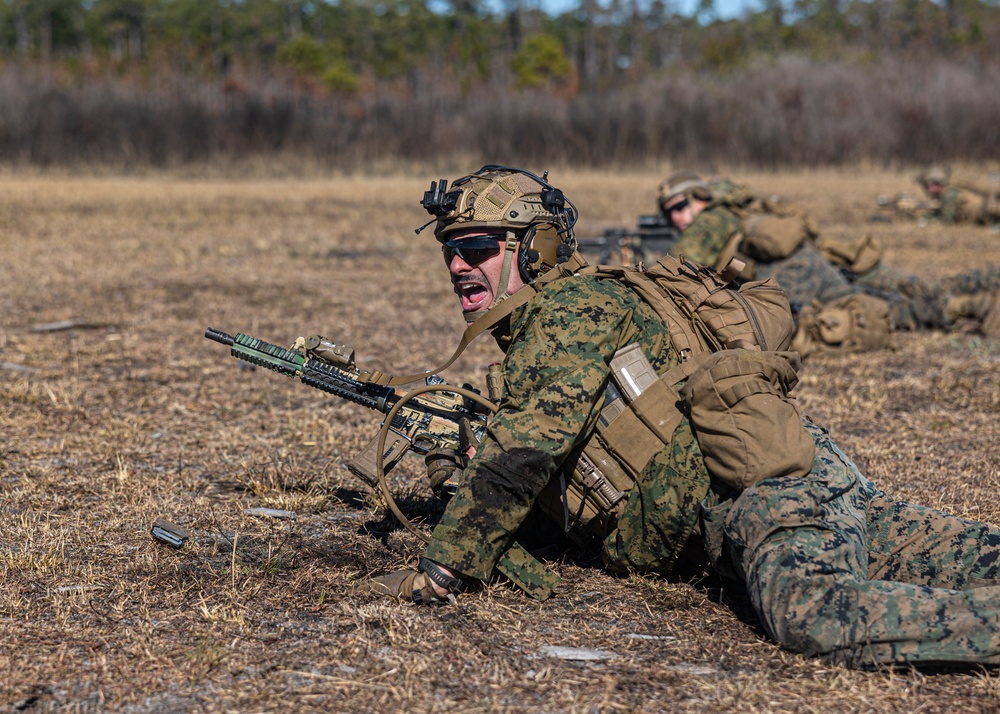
168 81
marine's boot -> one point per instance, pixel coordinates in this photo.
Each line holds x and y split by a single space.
983 307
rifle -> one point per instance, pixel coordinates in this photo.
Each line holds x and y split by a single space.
423 419
426 421
902 204
652 238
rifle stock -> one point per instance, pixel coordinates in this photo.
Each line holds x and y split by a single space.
426 422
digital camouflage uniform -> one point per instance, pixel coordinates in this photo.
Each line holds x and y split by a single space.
804 275
958 204
555 373
833 566
916 303
836 568
956 201
715 228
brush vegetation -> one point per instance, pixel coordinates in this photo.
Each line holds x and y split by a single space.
130 84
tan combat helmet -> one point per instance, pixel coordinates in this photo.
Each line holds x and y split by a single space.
684 183
522 208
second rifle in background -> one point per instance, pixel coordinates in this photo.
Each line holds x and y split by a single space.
648 241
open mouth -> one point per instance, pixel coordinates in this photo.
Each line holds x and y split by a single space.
472 294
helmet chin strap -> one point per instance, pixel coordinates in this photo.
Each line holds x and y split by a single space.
501 309
503 285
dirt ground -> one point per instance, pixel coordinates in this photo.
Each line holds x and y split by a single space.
114 410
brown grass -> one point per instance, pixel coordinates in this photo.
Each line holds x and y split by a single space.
133 415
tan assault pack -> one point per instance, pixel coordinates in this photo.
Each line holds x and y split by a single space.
858 254
746 425
855 323
774 236
730 343
771 230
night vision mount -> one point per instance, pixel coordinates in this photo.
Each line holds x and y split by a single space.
439 201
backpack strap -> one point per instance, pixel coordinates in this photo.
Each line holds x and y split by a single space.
683 335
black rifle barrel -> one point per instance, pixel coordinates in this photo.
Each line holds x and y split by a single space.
219 336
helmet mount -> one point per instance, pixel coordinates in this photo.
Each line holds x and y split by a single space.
439 201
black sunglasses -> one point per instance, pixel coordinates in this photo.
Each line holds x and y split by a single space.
475 250
679 206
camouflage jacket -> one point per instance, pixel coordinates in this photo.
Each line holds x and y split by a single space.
555 374
705 241
959 205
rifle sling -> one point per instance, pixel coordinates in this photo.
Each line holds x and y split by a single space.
502 309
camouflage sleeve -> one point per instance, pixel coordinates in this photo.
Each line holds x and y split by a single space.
555 373
950 209
705 239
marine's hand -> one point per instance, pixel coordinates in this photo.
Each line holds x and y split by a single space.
443 468
444 464
409 585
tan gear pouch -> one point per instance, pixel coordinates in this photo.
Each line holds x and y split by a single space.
702 312
856 254
855 323
747 426
754 315
587 500
772 237
599 476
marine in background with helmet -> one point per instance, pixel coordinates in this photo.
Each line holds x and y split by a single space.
833 566
954 202
970 295
719 219
713 230
722 221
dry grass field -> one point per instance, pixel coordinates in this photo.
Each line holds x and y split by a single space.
124 412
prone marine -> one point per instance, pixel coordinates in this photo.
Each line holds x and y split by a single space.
951 201
596 363
823 276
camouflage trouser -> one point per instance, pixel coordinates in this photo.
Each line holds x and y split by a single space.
972 281
805 276
836 568
915 303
